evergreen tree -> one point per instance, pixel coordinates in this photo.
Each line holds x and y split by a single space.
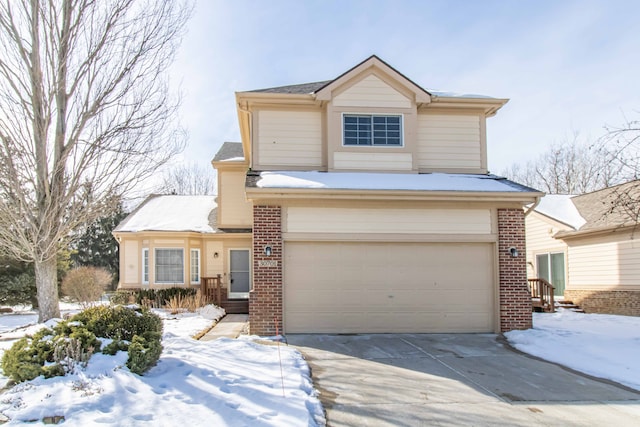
97 247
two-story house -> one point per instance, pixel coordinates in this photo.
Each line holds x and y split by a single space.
366 206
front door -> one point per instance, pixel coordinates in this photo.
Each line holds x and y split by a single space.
239 274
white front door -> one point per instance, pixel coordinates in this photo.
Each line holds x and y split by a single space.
239 274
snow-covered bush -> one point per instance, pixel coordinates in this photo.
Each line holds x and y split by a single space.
49 352
70 344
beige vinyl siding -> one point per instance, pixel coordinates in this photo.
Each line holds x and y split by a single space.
346 220
289 138
132 256
371 92
234 210
213 266
448 141
539 239
372 161
603 262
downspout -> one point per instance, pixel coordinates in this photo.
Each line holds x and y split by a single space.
535 205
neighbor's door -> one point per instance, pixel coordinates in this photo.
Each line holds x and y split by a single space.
239 273
551 268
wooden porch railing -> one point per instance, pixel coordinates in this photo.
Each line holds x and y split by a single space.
542 295
211 289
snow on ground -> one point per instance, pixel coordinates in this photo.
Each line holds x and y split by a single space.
601 345
223 383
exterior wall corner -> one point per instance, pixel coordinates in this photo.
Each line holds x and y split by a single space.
265 298
515 298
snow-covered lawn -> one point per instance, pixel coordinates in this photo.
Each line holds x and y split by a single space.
601 345
214 383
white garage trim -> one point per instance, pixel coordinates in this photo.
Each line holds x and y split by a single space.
356 287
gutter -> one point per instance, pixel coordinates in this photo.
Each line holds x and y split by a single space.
535 205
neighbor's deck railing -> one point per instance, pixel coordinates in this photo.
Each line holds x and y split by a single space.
542 294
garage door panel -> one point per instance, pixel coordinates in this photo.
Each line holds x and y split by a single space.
388 287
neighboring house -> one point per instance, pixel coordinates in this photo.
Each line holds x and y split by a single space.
371 210
587 249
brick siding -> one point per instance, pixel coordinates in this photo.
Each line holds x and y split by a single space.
606 302
265 299
515 299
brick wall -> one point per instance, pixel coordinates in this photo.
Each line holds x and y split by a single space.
607 302
265 299
515 299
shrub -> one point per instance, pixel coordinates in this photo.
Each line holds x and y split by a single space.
86 284
19 363
49 352
56 351
119 322
122 298
144 352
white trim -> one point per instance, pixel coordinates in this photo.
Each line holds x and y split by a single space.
197 265
401 115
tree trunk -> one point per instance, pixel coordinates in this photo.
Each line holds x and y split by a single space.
47 287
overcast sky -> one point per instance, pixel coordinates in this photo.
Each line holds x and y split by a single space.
566 66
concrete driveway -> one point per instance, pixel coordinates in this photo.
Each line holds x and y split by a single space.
454 379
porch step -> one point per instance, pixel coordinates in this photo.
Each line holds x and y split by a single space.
235 306
569 305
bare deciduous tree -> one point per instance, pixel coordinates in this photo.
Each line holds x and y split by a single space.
622 143
189 179
85 115
571 167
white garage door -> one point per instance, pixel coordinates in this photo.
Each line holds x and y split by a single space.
388 287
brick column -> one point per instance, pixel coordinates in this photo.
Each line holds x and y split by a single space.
515 299
265 299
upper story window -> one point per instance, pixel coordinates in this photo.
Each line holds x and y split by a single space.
372 129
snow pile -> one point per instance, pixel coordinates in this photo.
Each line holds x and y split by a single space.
221 382
211 312
601 345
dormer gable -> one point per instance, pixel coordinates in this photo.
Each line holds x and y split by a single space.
373 77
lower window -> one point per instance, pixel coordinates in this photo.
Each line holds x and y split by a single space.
169 266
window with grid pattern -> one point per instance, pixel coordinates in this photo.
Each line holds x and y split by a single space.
372 129
145 265
195 266
169 266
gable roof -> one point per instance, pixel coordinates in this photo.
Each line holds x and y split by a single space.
304 88
229 151
172 213
560 207
316 87
599 210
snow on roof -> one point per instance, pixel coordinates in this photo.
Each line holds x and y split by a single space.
388 181
171 213
233 159
561 208
448 94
